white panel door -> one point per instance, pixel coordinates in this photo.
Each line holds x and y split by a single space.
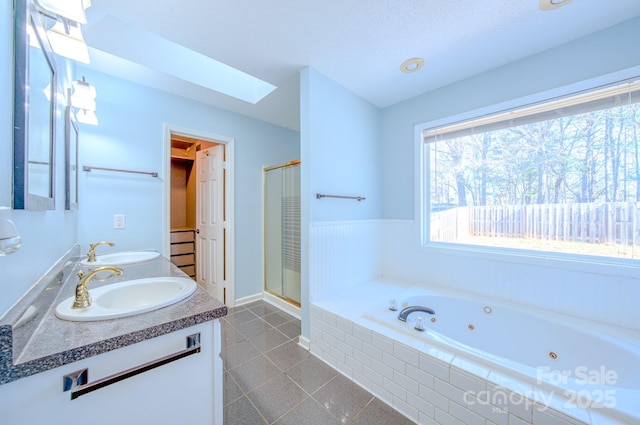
209 219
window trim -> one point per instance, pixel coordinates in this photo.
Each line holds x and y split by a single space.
619 267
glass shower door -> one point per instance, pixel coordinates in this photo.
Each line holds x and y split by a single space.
282 232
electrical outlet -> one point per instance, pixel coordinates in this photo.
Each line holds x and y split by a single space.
118 221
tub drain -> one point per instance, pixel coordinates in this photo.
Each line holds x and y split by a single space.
433 320
553 355
471 327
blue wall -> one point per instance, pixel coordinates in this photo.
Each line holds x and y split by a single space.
130 135
343 132
340 151
602 57
46 235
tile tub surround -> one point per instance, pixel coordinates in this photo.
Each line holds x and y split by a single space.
33 339
427 384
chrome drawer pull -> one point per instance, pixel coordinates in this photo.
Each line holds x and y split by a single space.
76 382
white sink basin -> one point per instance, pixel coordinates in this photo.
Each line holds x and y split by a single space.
120 258
129 298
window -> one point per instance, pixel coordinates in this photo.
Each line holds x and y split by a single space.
562 176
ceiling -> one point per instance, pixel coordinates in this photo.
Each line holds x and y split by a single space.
359 44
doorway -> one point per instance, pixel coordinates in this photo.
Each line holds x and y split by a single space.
198 208
282 232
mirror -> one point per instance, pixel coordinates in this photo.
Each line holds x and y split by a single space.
34 112
71 136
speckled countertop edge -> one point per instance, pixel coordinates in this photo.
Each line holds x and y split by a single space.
50 342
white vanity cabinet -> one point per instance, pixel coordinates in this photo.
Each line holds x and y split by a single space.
184 391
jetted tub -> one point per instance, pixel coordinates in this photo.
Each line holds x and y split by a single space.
589 365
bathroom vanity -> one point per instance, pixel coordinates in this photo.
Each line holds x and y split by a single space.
159 367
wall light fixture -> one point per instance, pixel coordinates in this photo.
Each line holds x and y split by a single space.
83 100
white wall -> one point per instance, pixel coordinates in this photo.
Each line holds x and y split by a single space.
130 136
46 235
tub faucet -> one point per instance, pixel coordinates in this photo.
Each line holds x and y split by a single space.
83 298
408 310
91 255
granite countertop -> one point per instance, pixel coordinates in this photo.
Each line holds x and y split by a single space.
33 339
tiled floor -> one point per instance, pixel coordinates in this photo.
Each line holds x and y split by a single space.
270 379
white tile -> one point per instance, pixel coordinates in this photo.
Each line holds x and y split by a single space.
344 369
408 355
515 403
420 376
344 325
445 419
373 352
337 354
394 362
373 376
344 347
414 400
471 367
514 420
406 409
407 382
354 342
492 413
424 419
383 369
434 398
329 318
447 390
382 342
395 389
561 408
546 416
361 357
355 365
382 394
466 381
434 367
465 415
362 333
362 380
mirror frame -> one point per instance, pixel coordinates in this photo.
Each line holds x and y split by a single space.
72 141
24 113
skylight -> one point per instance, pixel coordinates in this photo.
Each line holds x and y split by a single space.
123 40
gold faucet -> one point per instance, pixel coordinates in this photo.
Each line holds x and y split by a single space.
91 255
83 299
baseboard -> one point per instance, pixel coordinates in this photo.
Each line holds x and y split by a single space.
304 342
247 300
282 304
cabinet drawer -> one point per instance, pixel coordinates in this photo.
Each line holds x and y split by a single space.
182 248
182 236
189 270
183 260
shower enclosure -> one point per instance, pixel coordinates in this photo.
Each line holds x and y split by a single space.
282 231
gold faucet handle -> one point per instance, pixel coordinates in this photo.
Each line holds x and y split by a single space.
91 255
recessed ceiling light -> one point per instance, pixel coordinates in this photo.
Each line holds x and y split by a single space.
412 65
552 4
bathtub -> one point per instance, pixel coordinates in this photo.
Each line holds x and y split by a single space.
587 365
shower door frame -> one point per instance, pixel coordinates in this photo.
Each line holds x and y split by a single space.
293 163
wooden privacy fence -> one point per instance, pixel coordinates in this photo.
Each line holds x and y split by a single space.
613 222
